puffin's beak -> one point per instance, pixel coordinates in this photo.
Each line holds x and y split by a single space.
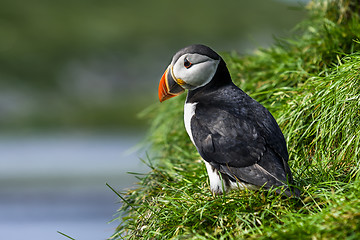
168 87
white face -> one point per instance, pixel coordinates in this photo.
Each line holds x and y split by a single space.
194 70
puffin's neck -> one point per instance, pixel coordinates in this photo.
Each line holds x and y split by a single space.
220 79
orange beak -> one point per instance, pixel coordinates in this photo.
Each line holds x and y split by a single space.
168 87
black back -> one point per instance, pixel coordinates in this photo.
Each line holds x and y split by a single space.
236 134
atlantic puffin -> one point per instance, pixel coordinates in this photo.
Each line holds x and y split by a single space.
238 138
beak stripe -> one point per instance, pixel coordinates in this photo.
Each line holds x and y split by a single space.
168 86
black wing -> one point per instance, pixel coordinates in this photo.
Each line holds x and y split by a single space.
244 142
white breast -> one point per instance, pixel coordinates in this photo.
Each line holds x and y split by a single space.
189 111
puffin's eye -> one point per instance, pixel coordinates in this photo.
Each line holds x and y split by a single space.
187 63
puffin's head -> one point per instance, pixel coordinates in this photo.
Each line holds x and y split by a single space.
191 67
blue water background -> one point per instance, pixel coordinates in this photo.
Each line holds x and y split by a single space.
57 182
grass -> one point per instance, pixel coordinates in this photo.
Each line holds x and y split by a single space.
310 82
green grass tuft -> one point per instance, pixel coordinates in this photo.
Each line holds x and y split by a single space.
311 85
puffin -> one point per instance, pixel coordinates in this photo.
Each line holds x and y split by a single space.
237 137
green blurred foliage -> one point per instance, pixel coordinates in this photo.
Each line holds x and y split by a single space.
132 40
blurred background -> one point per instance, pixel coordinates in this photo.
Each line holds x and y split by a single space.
73 77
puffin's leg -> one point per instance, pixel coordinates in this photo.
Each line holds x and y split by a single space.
225 182
217 184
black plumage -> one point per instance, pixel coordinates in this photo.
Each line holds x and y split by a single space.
237 135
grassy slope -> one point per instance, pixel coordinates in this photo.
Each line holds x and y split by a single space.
311 85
